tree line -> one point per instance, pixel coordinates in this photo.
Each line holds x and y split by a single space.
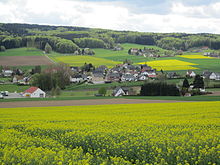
67 39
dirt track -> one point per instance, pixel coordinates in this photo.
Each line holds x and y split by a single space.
79 102
24 60
217 93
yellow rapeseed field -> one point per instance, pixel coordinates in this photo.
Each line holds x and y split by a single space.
170 65
81 60
196 57
167 133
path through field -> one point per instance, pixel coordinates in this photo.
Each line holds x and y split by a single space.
80 102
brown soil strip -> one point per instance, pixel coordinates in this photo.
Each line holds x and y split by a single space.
214 94
80 102
24 60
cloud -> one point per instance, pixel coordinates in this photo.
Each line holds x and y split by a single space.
203 11
117 15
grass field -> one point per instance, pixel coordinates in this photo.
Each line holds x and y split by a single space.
123 54
104 56
110 57
207 63
177 133
13 88
22 52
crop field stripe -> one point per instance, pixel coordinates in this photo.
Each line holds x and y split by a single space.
178 133
196 57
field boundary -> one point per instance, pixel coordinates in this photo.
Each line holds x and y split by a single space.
81 102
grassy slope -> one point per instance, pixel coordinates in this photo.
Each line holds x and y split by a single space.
109 55
13 88
110 58
121 55
22 52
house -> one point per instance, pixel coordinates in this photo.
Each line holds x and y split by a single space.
7 73
142 78
103 67
34 92
132 67
120 91
145 68
78 78
205 48
190 73
74 68
118 47
134 50
113 77
214 76
116 69
151 74
15 80
172 75
206 74
98 77
187 95
128 77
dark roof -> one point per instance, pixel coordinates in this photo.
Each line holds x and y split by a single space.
128 76
113 75
98 74
125 89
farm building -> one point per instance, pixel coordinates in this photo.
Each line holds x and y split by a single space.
190 73
34 92
120 91
215 76
7 73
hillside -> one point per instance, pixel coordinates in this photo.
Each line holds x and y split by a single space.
110 58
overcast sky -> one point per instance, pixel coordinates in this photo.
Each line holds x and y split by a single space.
194 16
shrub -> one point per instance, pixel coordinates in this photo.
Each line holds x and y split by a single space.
159 89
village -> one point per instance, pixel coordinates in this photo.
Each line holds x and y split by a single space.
125 72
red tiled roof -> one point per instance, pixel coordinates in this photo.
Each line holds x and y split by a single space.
31 90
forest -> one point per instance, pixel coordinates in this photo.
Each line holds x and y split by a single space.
68 39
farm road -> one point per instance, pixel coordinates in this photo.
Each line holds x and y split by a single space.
79 102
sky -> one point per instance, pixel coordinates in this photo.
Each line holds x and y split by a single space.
190 16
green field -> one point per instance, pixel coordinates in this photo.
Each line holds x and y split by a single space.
104 56
116 57
177 133
22 52
123 54
111 58
13 88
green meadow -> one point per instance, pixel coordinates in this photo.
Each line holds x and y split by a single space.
22 52
110 58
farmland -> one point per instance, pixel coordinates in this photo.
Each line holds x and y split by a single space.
22 52
81 60
196 57
22 57
170 65
107 57
110 58
184 133
24 61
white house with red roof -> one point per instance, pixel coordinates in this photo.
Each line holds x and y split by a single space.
34 92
